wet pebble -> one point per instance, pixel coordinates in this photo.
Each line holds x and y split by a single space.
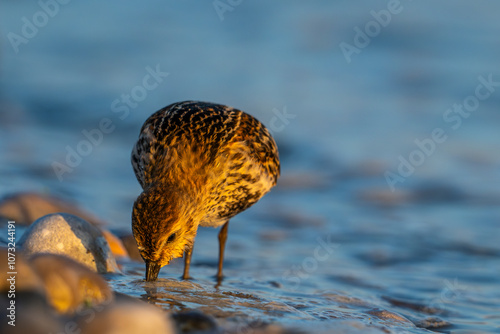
127 318
195 322
33 315
276 284
262 327
413 305
115 244
387 315
70 285
26 278
25 208
72 236
31 312
432 323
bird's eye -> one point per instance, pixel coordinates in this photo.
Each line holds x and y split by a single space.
171 237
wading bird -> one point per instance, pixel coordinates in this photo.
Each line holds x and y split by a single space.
199 164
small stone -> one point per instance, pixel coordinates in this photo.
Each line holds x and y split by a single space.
70 285
387 315
31 312
32 315
25 208
276 284
115 244
432 323
262 327
65 234
195 322
128 318
26 278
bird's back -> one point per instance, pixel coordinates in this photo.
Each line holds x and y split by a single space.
226 155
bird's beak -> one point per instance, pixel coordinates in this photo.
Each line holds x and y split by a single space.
152 270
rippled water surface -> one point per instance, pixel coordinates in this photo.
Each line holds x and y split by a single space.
331 247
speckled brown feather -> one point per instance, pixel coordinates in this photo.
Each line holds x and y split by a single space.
199 164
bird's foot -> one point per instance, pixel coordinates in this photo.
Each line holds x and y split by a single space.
186 277
219 279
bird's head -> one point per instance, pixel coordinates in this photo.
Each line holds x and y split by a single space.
162 229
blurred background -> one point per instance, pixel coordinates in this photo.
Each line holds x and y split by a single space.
347 89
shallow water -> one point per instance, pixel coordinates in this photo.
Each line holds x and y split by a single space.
393 259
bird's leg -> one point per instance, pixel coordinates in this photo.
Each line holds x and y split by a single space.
222 246
187 262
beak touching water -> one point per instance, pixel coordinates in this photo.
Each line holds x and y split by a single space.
152 270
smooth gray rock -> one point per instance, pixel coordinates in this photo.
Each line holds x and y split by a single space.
65 234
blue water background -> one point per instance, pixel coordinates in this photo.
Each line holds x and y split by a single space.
434 240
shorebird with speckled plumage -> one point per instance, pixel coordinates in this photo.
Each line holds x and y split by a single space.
199 164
